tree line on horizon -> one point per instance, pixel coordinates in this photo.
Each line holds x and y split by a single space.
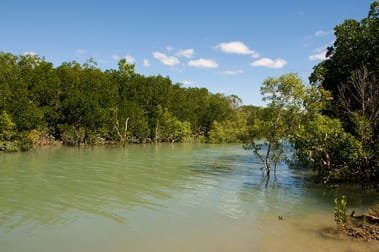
81 104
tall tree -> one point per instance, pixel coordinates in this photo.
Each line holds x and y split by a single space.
356 49
351 73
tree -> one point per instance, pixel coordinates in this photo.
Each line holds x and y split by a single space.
170 129
356 46
322 143
126 69
285 95
81 104
351 74
234 130
7 133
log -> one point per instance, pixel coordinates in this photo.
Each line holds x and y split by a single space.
365 217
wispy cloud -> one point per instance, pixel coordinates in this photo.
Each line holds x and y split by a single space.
146 63
79 52
169 48
237 47
30 53
233 72
188 82
130 59
188 53
320 52
318 56
269 63
203 63
321 33
166 60
115 57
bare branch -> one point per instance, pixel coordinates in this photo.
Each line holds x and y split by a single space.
361 94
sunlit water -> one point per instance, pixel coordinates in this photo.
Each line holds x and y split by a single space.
164 198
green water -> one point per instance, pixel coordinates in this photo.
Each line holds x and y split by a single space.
164 198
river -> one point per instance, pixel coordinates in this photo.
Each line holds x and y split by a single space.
168 197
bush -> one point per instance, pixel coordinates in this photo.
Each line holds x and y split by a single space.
71 135
333 153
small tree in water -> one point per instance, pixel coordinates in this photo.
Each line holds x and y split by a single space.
286 98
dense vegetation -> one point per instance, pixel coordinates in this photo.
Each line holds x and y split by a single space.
80 104
331 124
351 74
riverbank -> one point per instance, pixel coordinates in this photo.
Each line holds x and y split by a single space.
364 227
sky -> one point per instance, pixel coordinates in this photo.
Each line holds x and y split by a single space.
228 47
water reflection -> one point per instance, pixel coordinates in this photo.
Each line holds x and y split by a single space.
49 187
184 187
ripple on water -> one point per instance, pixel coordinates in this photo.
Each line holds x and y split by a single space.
161 198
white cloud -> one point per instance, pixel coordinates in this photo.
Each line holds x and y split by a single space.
188 53
203 63
321 33
255 55
146 63
233 72
115 57
318 56
130 59
237 47
188 82
166 60
30 53
270 63
79 52
169 48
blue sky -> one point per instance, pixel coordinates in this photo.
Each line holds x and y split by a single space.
228 47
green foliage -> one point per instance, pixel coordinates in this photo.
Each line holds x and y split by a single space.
286 98
351 74
170 129
72 135
7 127
234 130
7 133
322 142
10 140
81 104
125 68
340 216
356 45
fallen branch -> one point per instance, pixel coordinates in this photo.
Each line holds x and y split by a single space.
365 217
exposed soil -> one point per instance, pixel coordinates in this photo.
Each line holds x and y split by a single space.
364 227
366 232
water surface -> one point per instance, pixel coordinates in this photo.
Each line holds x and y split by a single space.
164 198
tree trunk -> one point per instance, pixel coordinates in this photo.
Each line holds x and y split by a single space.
126 129
267 159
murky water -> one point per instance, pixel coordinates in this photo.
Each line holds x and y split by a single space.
164 198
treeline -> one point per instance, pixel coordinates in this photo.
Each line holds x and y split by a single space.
81 104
